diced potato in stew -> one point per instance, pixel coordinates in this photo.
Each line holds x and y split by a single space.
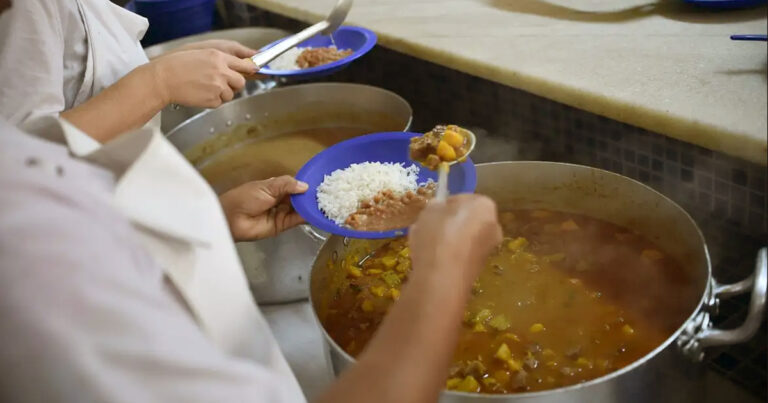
441 144
563 301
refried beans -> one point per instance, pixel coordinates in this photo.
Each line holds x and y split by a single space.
314 57
388 211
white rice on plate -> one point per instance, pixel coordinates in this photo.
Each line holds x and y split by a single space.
343 190
287 61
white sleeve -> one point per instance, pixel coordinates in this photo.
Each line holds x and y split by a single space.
87 315
31 60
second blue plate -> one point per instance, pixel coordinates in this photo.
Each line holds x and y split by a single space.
359 40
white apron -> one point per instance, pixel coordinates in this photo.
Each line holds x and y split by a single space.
181 224
190 240
186 232
113 34
58 54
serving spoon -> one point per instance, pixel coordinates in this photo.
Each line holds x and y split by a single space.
442 170
441 194
325 27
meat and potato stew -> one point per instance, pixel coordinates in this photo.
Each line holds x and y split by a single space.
441 144
566 299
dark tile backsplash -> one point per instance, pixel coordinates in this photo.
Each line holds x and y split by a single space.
725 195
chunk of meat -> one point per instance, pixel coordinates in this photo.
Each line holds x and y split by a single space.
426 145
441 144
475 368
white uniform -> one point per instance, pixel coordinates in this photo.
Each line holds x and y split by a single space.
56 54
120 279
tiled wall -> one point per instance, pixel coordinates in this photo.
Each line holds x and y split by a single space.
725 195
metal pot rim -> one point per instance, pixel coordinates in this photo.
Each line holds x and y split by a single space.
637 363
278 90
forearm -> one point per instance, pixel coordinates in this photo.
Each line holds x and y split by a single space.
408 359
126 105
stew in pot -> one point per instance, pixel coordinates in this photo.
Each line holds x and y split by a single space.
566 299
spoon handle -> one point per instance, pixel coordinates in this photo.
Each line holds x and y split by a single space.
442 183
263 58
748 37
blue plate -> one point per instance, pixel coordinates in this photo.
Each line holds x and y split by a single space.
378 147
727 4
360 40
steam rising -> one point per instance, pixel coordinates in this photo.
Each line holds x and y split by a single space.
502 147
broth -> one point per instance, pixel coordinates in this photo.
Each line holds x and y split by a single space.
566 299
265 157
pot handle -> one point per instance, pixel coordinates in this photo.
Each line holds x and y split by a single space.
312 233
699 333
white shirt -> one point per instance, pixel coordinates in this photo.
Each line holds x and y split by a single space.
56 54
120 280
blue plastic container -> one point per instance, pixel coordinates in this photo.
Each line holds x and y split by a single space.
378 147
727 4
171 19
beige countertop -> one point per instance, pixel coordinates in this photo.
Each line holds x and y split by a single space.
659 65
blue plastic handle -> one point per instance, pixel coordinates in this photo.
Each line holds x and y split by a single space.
749 37
727 4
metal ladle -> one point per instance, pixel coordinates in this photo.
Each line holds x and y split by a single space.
442 170
325 27
442 182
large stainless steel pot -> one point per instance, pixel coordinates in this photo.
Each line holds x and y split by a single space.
278 268
253 37
671 372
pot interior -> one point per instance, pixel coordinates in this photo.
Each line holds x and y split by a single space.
275 133
571 189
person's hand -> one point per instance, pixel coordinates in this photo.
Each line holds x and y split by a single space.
200 78
261 209
457 235
229 47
